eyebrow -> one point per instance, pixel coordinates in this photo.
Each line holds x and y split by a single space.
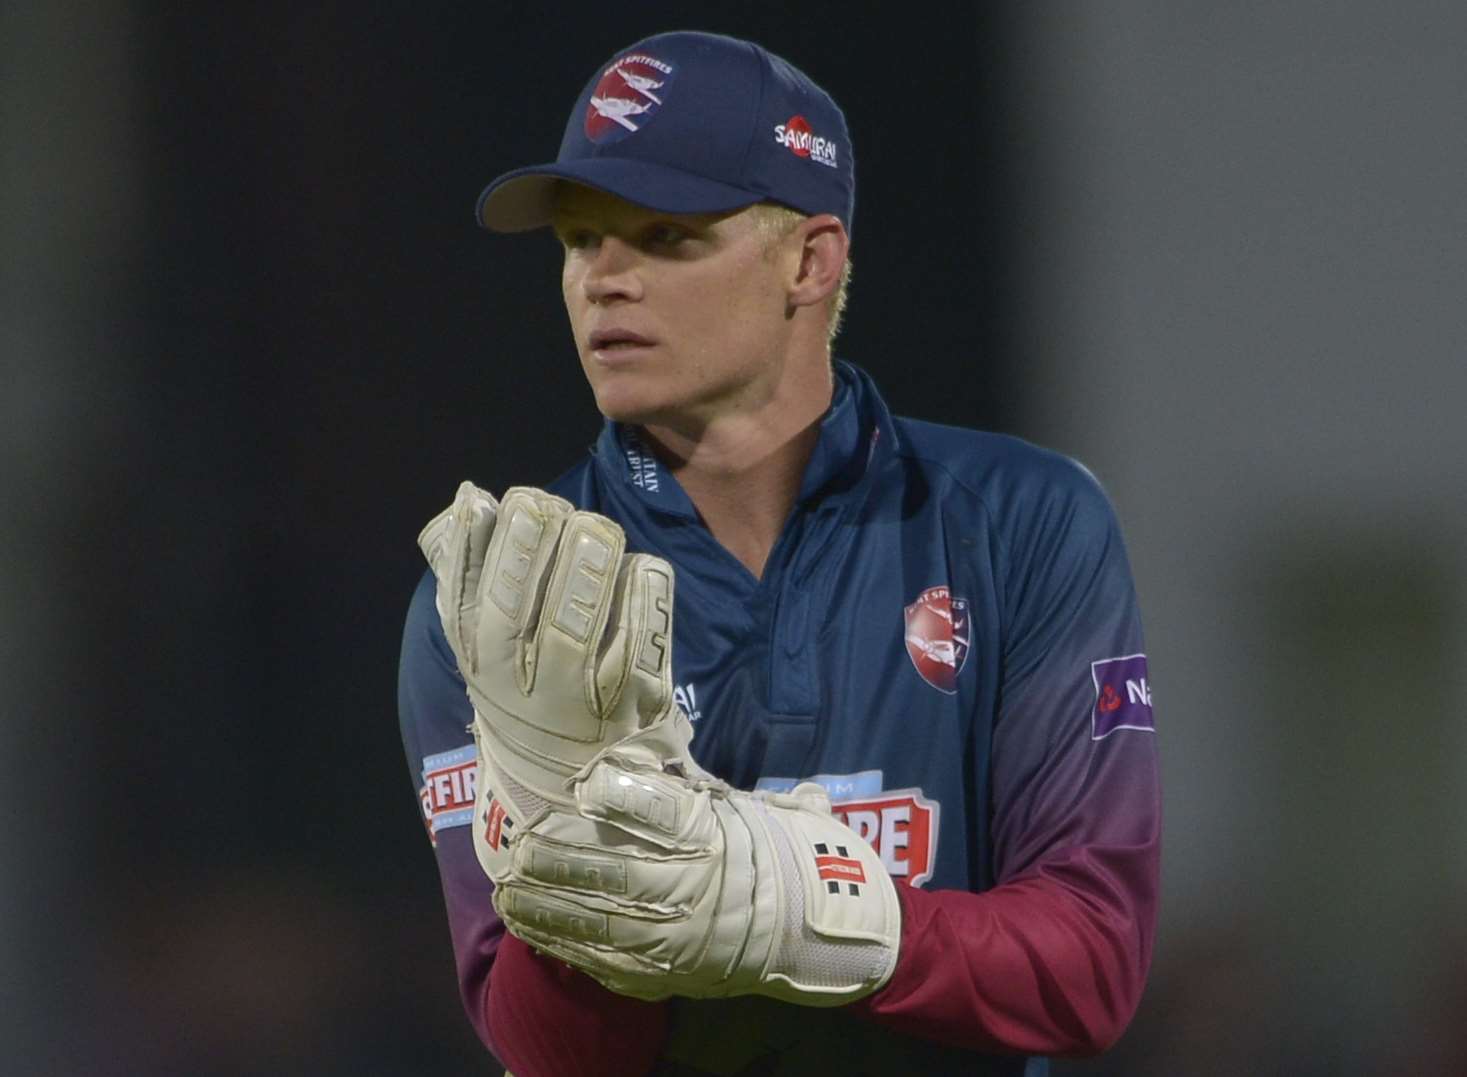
701 222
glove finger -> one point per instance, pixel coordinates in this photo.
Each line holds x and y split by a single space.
433 540
512 583
662 809
573 622
474 515
634 669
576 936
613 869
453 543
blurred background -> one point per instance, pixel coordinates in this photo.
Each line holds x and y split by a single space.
250 340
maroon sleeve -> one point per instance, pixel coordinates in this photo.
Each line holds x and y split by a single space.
539 1017
1052 959
550 1020
1051 963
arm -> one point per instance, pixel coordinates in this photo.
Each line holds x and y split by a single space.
1053 958
536 1015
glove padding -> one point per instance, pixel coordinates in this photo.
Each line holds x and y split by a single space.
564 642
668 885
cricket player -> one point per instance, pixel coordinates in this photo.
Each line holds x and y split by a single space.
781 735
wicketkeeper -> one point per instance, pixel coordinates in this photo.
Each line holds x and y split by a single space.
780 735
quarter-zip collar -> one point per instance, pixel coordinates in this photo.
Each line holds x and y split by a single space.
855 433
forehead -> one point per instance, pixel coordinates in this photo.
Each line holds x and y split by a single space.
589 204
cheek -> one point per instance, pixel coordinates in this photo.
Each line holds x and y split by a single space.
567 286
739 292
574 300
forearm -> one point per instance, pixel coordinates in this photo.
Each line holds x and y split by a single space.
1051 963
536 1015
544 1019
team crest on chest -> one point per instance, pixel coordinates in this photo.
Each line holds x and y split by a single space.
938 637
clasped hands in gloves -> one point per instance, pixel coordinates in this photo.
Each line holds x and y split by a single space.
609 847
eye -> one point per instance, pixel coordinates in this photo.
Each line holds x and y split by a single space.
664 235
578 239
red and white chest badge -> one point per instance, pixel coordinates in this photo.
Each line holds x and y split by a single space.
938 637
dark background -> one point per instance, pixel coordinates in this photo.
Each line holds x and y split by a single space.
253 339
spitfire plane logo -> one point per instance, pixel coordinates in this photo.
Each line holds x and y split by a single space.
938 637
629 94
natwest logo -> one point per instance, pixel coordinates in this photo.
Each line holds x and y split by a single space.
1122 696
796 135
901 825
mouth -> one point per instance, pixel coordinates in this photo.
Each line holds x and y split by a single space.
605 343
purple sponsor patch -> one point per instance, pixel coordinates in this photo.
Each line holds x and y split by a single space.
1122 696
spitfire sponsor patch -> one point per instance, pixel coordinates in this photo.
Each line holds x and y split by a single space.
899 824
938 637
1122 696
447 792
629 94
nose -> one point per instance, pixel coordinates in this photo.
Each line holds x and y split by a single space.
612 273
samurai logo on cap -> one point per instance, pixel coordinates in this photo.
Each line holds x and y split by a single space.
629 94
796 135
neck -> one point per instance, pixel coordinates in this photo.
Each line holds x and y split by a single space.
743 471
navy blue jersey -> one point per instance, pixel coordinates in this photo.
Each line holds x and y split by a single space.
946 637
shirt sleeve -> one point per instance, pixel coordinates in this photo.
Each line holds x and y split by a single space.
1052 959
536 1015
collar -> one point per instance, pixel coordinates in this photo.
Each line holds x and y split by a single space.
855 432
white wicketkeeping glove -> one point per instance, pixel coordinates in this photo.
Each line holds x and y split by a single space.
609 847
666 885
565 643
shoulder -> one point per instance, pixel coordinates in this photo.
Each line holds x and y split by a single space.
430 690
422 636
1014 481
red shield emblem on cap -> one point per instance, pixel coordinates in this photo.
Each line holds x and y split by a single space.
938 637
629 94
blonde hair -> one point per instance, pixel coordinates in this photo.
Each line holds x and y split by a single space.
775 222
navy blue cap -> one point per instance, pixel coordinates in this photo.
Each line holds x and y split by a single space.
689 122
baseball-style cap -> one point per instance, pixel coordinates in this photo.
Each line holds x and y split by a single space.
689 122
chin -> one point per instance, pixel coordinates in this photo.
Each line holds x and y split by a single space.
620 406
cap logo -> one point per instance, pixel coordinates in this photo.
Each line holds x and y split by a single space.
629 94
797 135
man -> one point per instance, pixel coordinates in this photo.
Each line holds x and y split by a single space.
936 626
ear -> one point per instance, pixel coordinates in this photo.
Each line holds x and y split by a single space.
823 247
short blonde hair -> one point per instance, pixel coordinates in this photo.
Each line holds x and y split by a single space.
775 222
